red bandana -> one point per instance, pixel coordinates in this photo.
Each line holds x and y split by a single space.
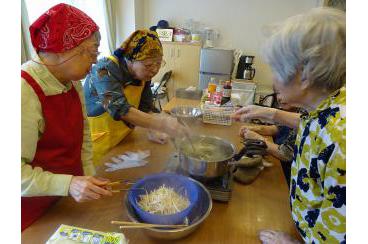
61 28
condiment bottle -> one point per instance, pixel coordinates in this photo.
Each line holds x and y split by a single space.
211 90
217 96
226 94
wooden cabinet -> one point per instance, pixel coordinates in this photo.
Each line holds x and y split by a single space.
183 59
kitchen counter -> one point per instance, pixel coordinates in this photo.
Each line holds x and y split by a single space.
261 205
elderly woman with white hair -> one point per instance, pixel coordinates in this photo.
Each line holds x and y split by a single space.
307 56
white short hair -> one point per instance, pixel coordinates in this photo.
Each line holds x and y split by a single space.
314 43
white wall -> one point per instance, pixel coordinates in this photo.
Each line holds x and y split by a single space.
126 23
239 22
139 14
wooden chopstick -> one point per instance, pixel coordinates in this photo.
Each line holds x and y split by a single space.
116 222
127 189
137 223
119 190
132 225
113 183
120 182
149 226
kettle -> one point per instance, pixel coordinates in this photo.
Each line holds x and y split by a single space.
249 73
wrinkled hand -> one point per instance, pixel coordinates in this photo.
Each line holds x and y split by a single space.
265 130
249 134
85 188
254 112
157 137
271 236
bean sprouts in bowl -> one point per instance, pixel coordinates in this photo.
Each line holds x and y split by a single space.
164 198
198 215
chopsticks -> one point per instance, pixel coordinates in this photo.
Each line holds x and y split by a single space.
136 225
119 190
125 189
118 182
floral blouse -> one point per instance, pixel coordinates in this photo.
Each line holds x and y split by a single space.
318 173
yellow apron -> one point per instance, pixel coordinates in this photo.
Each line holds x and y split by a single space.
107 132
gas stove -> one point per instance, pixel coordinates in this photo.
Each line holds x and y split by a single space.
219 187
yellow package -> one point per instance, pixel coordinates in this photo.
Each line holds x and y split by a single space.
67 234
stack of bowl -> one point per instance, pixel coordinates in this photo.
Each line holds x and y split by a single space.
180 184
186 114
198 210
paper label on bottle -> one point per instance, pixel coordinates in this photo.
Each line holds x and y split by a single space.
227 93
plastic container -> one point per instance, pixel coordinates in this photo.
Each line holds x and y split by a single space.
243 93
218 115
211 90
217 96
181 184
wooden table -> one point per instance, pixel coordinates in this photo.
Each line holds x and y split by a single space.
261 205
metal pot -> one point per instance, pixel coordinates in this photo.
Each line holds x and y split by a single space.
209 169
201 169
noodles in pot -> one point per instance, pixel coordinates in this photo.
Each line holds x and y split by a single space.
205 150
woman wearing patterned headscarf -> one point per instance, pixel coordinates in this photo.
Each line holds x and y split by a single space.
56 143
118 93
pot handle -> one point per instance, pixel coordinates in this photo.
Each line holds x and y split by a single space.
251 147
240 154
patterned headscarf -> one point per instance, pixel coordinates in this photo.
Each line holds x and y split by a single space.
61 28
140 45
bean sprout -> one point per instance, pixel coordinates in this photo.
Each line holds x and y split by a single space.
163 200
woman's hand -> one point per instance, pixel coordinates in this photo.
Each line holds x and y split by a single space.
249 134
85 188
254 112
265 130
157 136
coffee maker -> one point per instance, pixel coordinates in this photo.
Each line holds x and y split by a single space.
245 70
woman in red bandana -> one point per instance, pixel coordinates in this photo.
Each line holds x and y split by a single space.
56 145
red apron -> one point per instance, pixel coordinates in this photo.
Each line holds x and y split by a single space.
59 148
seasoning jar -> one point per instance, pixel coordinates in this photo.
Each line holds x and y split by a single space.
226 94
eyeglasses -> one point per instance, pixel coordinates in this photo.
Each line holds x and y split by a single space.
151 65
91 53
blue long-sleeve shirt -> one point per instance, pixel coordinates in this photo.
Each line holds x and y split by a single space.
103 89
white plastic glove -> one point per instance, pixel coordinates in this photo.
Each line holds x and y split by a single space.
157 136
128 160
173 128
